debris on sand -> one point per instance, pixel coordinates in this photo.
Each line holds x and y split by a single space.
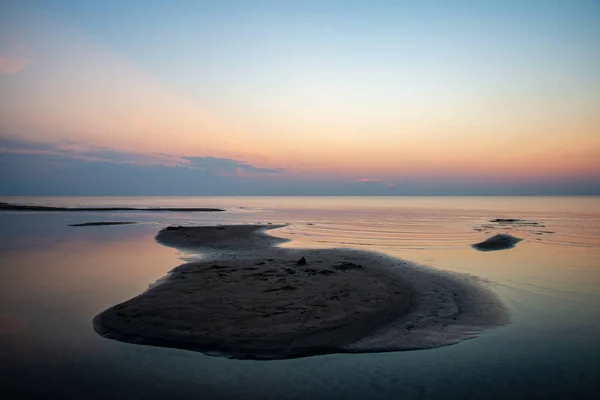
301 261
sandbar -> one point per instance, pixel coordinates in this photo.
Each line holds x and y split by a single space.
502 241
105 223
26 207
246 298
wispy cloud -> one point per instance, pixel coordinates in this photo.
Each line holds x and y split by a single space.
226 166
11 65
365 180
13 59
71 168
73 150
374 182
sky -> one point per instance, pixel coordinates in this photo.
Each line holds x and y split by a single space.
421 97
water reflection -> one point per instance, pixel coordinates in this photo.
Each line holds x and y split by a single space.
59 286
55 278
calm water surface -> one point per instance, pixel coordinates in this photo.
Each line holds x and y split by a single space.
56 278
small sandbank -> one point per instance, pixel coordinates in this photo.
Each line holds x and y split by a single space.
230 239
25 207
105 223
247 299
501 241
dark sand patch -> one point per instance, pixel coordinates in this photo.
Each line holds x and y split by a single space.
103 223
338 301
506 225
506 220
501 241
514 222
23 207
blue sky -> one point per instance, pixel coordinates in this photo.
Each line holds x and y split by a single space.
303 97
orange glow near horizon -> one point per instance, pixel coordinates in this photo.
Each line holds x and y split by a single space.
76 90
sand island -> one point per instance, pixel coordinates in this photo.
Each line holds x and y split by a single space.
247 299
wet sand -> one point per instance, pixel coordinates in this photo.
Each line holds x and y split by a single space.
24 207
248 299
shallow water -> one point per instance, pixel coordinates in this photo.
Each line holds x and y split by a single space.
56 278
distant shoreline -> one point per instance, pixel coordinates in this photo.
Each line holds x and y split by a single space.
247 299
24 207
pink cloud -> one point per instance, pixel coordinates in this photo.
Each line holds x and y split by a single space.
368 180
13 59
11 65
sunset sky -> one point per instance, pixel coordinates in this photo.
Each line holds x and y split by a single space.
300 97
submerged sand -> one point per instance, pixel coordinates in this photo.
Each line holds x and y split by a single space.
105 223
250 300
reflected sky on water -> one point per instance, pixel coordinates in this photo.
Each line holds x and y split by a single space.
56 278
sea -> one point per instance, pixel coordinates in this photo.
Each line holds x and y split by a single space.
55 278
